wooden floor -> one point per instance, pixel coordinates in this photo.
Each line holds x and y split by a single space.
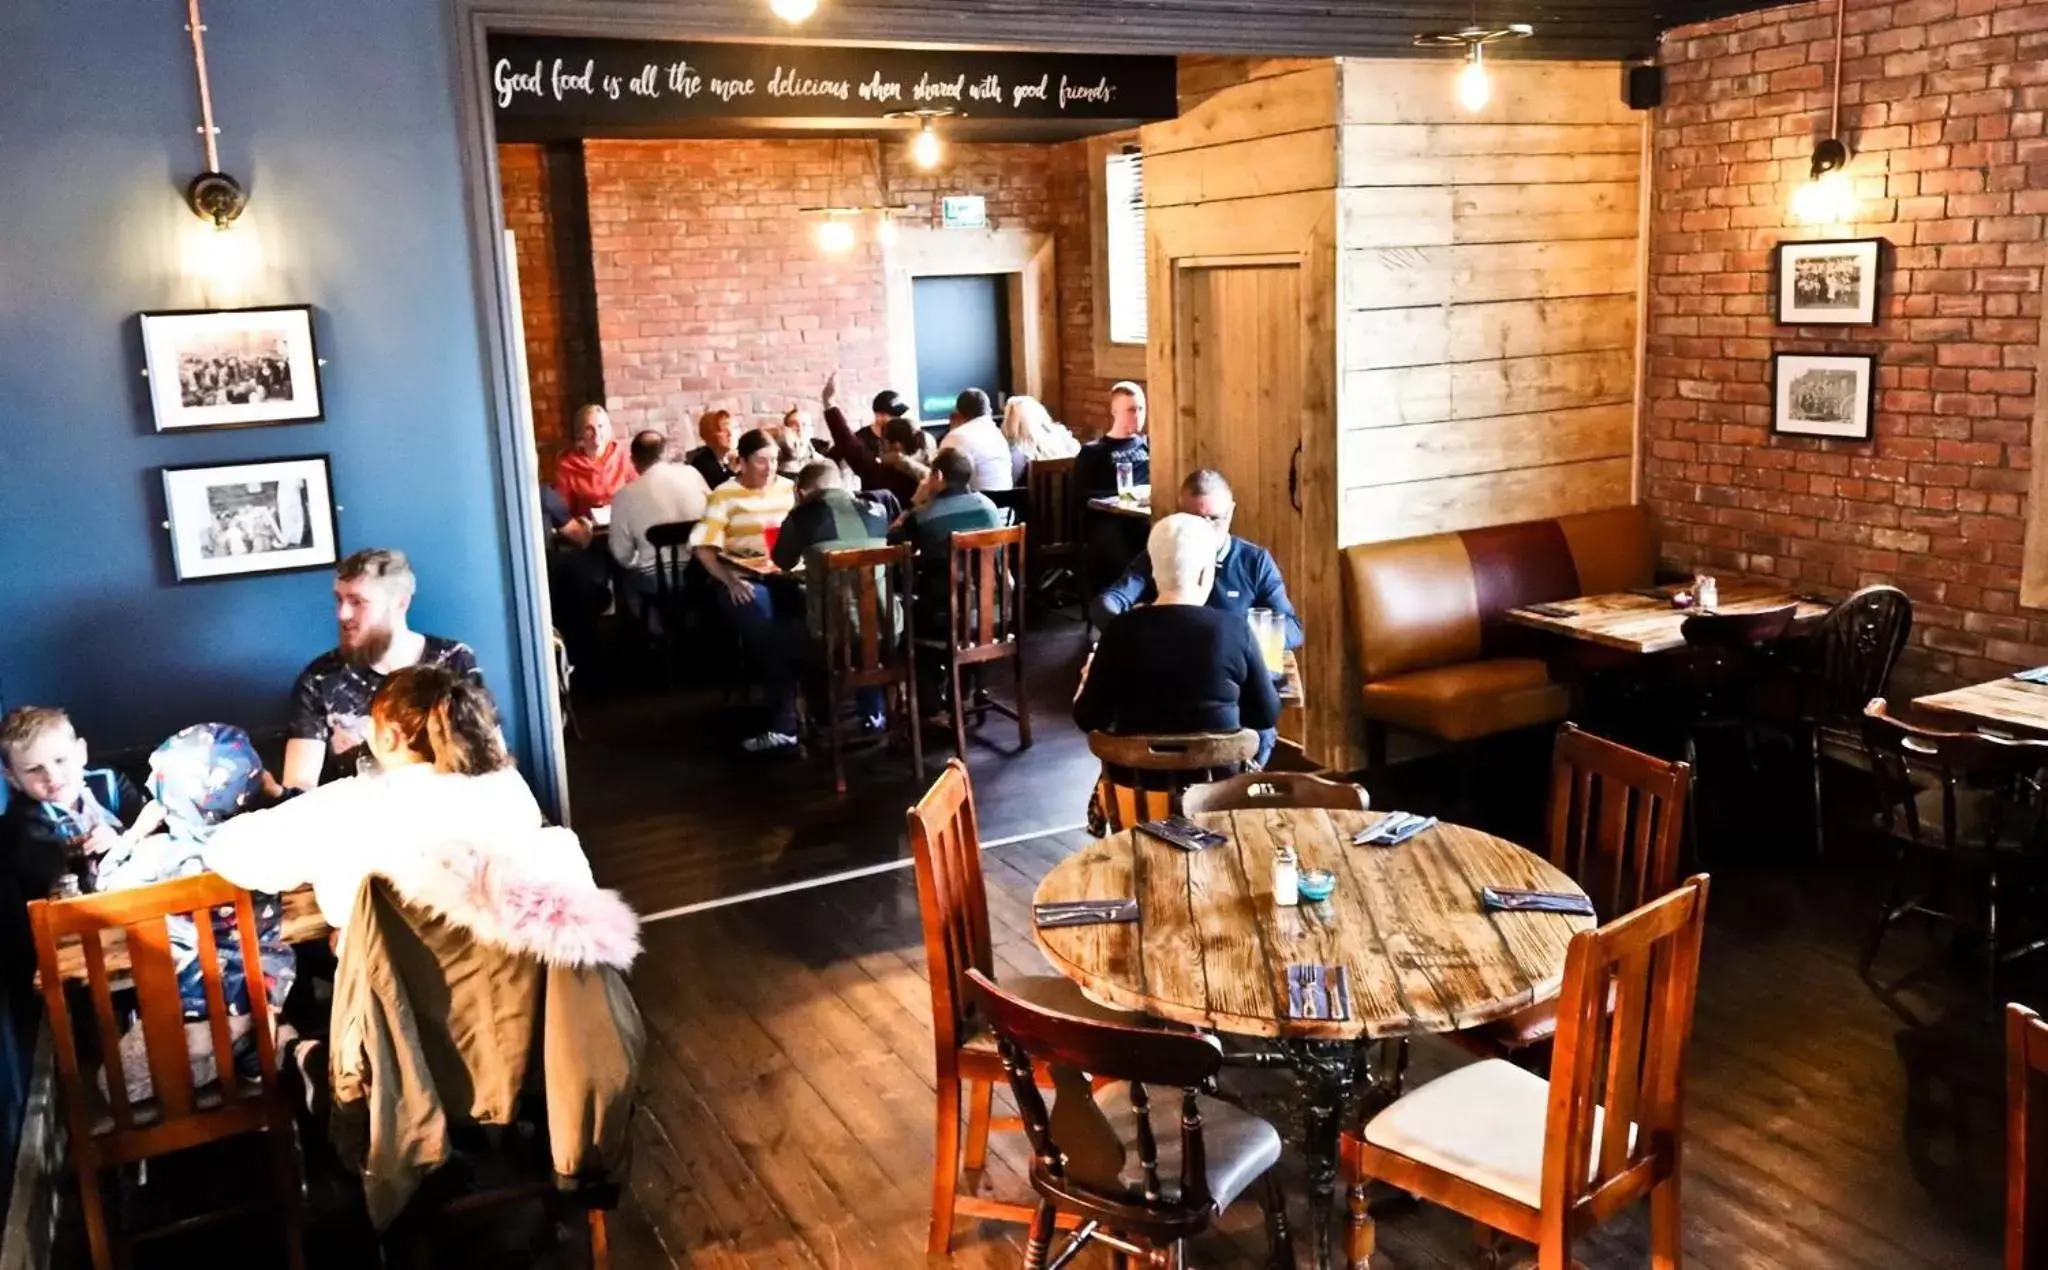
788 1108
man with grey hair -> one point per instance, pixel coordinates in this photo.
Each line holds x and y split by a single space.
328 728
1246 577
1177 664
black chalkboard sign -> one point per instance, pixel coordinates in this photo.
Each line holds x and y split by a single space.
546 87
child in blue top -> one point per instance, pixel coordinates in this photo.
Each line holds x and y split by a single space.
63 814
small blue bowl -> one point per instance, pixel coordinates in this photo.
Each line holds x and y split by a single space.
1317 884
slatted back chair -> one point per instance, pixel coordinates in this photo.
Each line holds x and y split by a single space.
1144 777
1099 1153
2026 1120
107 1129
1611 1116
985 604
1261 791
1964 801
865 603
671 543
1054 513
1849 661
1617 818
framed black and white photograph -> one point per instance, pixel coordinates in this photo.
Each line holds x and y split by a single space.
231 519
232 368
1823 394
1831 283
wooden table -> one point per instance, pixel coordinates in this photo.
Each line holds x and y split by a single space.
1141 508
302 922
1210 948
2003 705
1640 623
759 566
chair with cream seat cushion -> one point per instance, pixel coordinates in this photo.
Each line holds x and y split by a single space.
1544 1161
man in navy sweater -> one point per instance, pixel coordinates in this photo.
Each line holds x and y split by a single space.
1246 577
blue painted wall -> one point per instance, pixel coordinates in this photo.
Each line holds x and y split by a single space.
340 119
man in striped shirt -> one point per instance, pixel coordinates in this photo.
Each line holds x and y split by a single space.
742 518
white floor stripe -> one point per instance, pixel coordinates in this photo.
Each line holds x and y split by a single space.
868 870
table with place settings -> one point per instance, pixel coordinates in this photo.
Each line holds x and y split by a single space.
1210 947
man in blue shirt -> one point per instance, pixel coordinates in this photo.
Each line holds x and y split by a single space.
1246 577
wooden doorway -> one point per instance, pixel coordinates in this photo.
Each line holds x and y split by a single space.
1238 351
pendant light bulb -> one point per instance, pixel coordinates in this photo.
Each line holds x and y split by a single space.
926 149
885 229
1474 88
793 10
835 236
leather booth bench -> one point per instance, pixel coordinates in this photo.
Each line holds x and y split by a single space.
1428 618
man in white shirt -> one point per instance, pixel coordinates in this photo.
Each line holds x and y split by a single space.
664 493
976 434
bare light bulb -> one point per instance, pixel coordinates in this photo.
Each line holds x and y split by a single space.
926 149
1474 88
885 229
224 260
835 236
793 10
1825 200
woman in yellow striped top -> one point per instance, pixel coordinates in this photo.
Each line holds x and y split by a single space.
740 519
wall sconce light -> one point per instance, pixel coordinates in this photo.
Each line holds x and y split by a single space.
1474 88
1826 197
793 10
213 195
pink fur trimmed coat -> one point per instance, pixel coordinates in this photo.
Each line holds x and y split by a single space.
471 977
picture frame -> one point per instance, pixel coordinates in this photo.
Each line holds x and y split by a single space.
232 368
1828 282
260 516
1828 395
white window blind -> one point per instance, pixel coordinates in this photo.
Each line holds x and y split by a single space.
1125 184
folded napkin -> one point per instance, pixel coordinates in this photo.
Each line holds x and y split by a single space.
1505 899
1550 610
1083 913
1179 831
2038 675
1322 993
1393 829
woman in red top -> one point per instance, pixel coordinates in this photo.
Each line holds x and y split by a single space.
597 468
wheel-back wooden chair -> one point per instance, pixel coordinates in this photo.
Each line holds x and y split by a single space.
107 1130
1260 791
1109 1155
2026 1120
1546 1161
985 607
865 606
1144 777
1849 661
1956 801
1617 818
945 843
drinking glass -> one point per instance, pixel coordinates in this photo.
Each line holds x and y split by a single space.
1126 478
1271 636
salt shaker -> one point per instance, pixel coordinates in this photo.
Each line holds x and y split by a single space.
1286 877
1706 594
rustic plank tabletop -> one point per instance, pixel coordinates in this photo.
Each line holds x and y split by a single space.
1211 948
2002 705
1638 622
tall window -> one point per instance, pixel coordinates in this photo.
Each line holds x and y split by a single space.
1125 185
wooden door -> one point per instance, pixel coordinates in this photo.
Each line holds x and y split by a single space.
1238 365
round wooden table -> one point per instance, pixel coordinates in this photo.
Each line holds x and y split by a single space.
1211 949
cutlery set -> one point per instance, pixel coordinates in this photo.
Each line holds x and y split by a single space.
1392 830
1083 913
1319 992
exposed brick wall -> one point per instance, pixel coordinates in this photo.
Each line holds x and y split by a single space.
523 185
711 290
1942 107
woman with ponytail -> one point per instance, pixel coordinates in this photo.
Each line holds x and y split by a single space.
445 803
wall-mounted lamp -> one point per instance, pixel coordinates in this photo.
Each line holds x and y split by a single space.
1474 88
793 10
213 195
1826 197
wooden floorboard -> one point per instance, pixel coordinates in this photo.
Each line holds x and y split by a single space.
788 1119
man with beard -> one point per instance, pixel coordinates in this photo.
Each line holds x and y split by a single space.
329 728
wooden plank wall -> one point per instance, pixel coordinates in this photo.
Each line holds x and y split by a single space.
1489 269
1249 173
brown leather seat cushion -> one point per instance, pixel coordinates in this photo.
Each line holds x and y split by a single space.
1469 699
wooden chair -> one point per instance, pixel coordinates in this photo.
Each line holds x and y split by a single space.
865 601
1082 1149
1617 817
1143 777
2026 1062
985 607
106 1129
1545 1161
1727 657
671 543
1849 661
945 843
1962 801
1054 514
1258 791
